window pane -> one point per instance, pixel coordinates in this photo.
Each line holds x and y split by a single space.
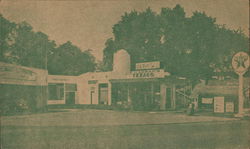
56 91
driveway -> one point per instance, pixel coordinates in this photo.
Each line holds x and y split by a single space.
103 129
104 117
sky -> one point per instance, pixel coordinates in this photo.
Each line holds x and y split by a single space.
88 23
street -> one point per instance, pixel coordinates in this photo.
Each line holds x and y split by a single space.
64 135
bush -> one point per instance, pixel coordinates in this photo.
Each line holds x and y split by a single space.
19 99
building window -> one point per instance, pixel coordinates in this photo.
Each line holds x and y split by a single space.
56 91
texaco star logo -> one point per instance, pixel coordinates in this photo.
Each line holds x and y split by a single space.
240 62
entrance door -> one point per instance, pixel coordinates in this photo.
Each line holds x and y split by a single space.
70 98
103 94
91 96
141 96
168 97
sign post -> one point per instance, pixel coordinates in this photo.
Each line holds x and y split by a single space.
240 64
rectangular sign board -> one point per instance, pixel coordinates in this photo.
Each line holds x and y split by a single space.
14 74
159 73
147 65
229 107
219 104
207 100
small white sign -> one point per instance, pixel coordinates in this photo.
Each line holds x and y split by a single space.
240 62
159 73
147 65
207 100
229 107
219 104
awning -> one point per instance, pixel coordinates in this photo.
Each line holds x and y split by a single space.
135 80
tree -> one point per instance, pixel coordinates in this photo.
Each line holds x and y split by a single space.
30 47
21 45
109 50
192 47
138 33
68 59
6 30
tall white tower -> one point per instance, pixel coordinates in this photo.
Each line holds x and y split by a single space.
121 62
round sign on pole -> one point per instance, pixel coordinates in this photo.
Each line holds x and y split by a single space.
240 62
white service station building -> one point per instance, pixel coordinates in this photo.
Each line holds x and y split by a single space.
148 87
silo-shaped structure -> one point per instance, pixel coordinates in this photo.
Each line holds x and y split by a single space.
121 62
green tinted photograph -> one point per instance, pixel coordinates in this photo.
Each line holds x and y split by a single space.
124 74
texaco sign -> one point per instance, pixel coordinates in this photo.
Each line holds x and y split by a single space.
240 62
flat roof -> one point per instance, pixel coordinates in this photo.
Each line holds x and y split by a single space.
135 80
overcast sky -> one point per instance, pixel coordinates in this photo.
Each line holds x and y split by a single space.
88 23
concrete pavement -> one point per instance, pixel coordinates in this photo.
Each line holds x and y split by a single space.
105 117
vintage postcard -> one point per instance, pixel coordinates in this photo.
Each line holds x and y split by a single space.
124 74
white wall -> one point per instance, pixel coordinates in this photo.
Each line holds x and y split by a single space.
85 88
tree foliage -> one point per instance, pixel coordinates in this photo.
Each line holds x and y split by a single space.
68 59
192 47
19 44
